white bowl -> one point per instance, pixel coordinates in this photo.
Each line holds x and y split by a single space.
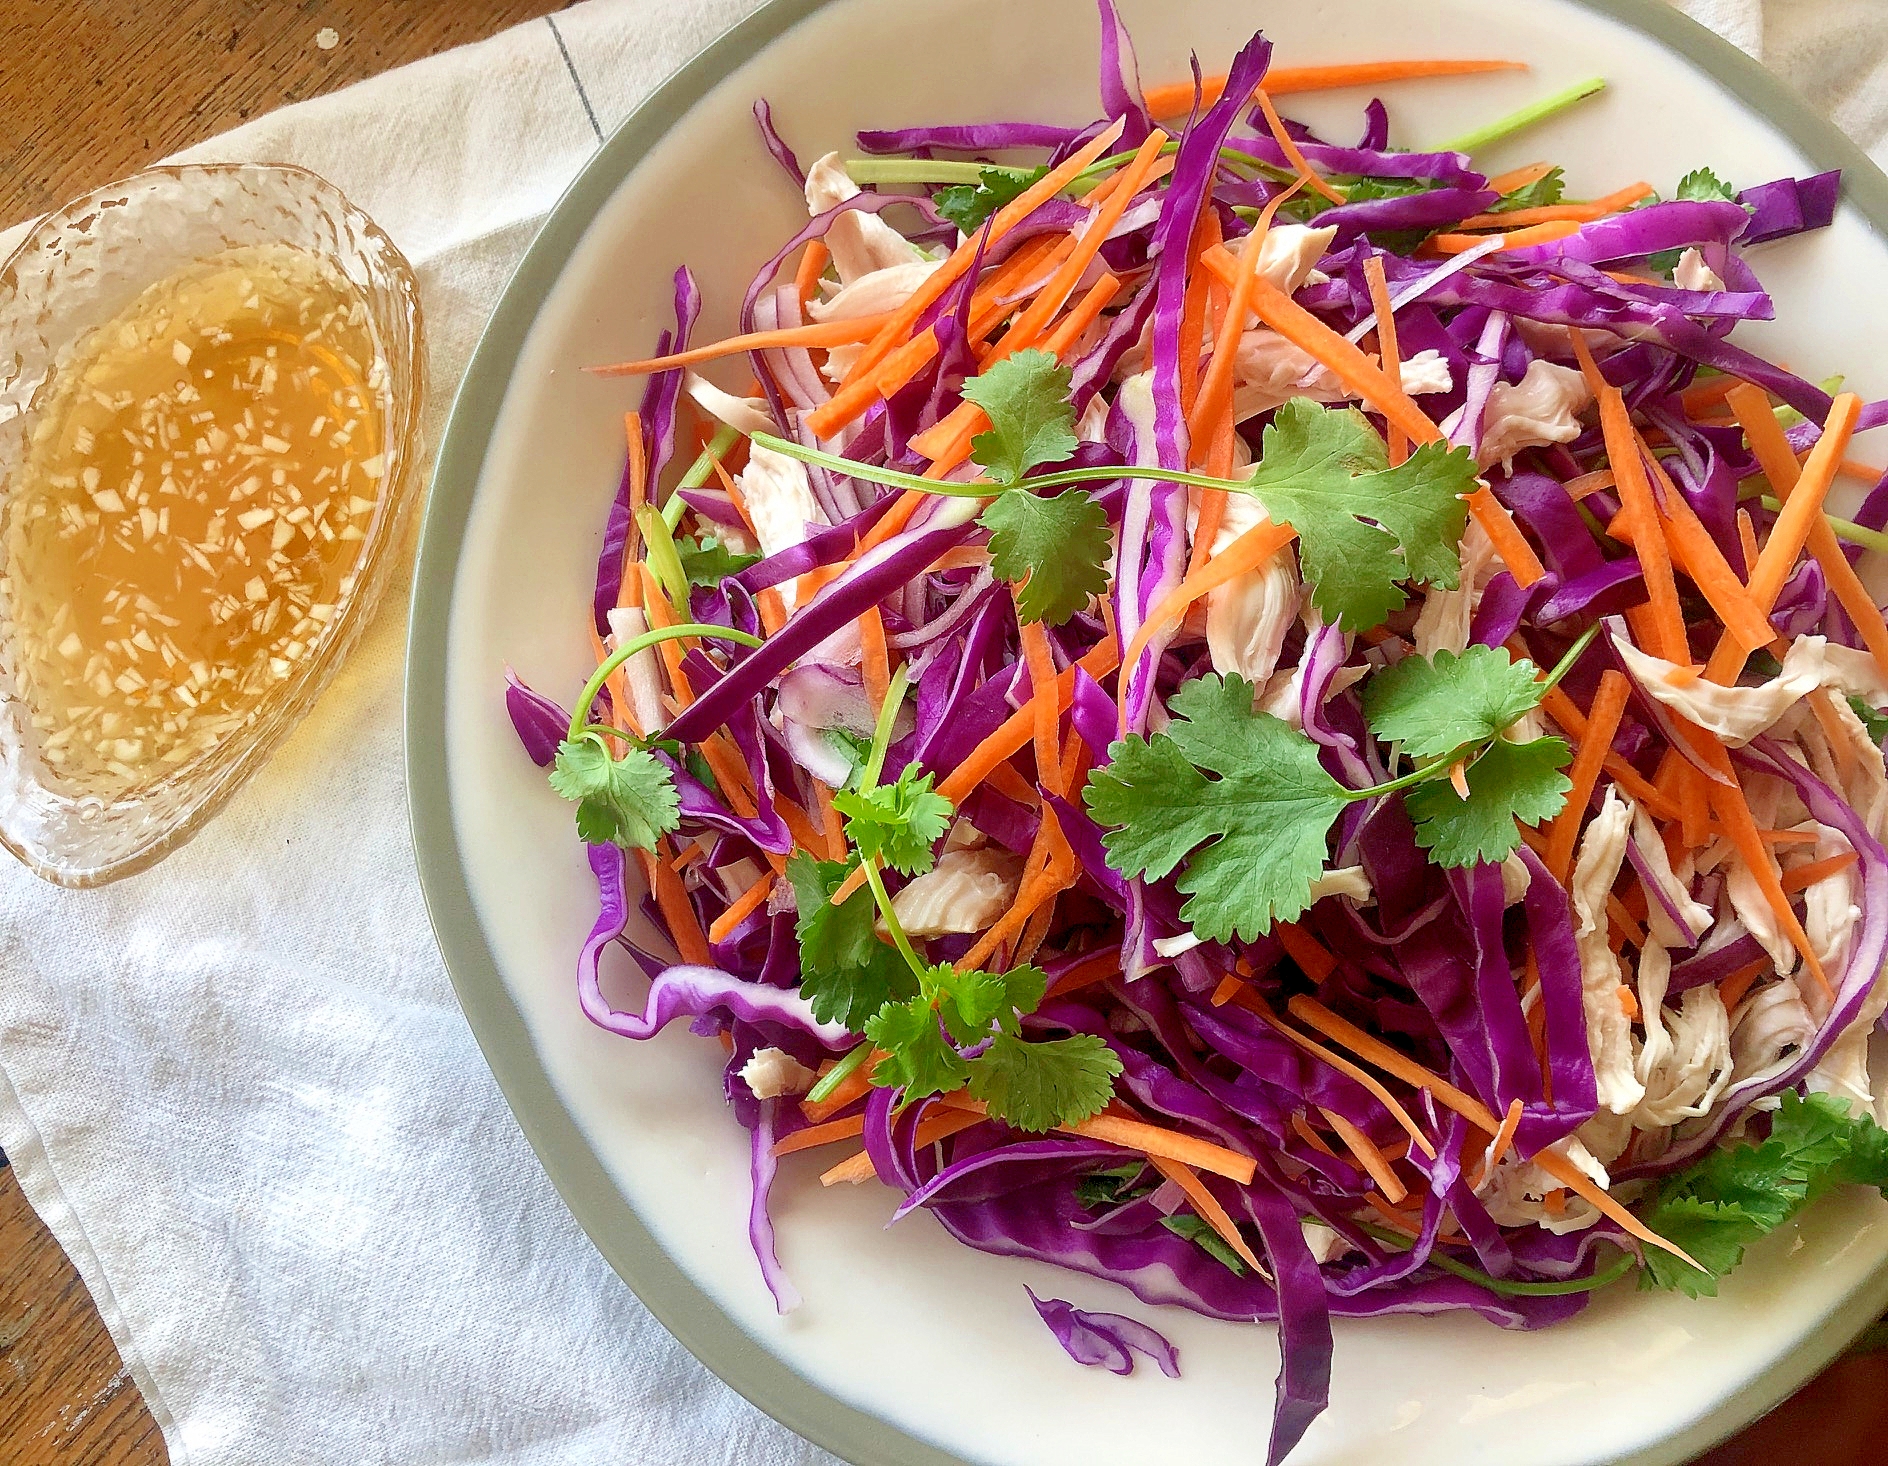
910 1348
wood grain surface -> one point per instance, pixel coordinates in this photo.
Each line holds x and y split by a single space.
93 89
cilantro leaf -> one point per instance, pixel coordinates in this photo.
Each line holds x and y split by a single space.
1101 1189
1544 191
1199 1231
1374 187
1362 525
1253 839
707 561
898 822
1702 186
1435 706
627 799
846 972
1040 1084
1054 549
919 1059
1032 420
1510 781
1872 718
967 205
1730 1198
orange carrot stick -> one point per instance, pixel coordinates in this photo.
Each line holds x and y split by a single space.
1585 213
931 1129
1175 99
1455 244
1702 560
1520 178
817 1135
1293 154
678 912
1374 1162
1504 1137
812 265
1251 550
1048 716
1307 951
1388 351
820 333
1019 727
1802 876
1779 464
742 906
1609 705
1209 1209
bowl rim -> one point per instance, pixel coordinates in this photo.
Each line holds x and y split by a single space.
224 771
682 1306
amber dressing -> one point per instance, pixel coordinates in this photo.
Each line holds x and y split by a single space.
190 512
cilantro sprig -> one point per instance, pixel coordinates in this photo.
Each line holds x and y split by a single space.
1240 800
625 798
1733 1197
940 1028
968 205
1364 526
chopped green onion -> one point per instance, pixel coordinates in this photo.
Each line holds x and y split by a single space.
1528 116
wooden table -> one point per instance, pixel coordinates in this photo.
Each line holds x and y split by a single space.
156 76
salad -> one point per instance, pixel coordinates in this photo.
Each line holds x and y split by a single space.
1286 724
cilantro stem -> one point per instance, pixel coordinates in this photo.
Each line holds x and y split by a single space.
606 731
1524 117
639 644
1573 654
698 471
838 1074
987 488
1611 1273
1409 780
899 939
882 732
659 554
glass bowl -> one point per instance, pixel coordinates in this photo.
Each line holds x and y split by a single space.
80 269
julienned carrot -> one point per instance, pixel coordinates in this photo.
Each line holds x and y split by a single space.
1293 155
1206 236
1519 178
1609 705
1505 535
1389 353
740 908
629 586
1048 716
1018 728
1699 556
1082 315
1779 464
1050 870
1253 1003
1307 951
1471 1109
1374 1162
820 333
1731 989
1216 387
939 1125
1088 972
1175 99
813 263
1209 1209
817 1135
1504 1137
800 825
678 912
1802 509
1151 1140
1635 494
1799 877
656 607
875 659
1455 244
1251 550
1585 213
1359 374
827 419
1728 800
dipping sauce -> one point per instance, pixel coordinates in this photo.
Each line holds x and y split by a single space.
190 512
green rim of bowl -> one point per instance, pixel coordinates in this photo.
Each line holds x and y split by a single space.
573 1167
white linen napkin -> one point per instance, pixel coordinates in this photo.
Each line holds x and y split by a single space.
238 1087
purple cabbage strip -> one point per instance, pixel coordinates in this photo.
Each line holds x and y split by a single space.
775 144
760 1227
1107 1339
1790 205
541 724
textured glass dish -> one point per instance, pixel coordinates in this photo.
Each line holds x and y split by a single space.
79 270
